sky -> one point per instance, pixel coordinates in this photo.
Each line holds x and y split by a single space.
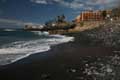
20 12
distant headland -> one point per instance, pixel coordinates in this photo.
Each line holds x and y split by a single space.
86 20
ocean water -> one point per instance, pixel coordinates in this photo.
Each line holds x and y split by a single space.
16 44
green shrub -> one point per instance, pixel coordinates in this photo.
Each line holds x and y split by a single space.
81 24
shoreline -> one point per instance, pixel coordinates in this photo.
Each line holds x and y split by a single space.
54 63
66 61
53 46
8 58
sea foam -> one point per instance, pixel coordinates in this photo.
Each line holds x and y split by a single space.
17 50
9 30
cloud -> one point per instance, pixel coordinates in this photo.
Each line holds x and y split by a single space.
14 22
10 21
39 1
112 3
103 3
78 4
73 4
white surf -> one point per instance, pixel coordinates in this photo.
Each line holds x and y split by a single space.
14 51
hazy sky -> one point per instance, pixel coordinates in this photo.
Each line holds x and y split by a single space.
39 11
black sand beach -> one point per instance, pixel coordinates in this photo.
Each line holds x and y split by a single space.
81 59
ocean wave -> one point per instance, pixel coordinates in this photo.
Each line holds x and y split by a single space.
9 30
40 33
21 49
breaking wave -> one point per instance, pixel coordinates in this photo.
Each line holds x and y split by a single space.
9 30
40 33
19 49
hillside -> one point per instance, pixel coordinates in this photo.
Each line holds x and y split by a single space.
108 34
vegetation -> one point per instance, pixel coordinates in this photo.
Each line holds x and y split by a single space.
58 24
81 24
116 12
104 14
60 18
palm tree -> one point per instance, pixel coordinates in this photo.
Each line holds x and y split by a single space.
61 18
104 14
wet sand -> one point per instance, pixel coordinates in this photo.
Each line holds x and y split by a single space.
63 62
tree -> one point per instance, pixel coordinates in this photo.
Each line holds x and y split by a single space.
104 14
115 12
61 18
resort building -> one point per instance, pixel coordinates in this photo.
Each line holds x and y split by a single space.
91 16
